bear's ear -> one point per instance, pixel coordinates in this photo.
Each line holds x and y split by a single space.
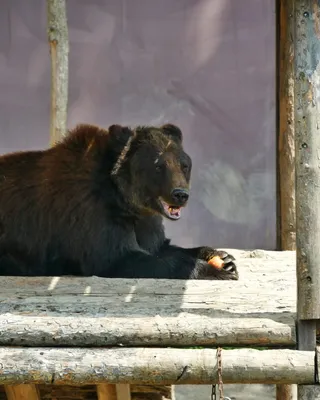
173 132
120 134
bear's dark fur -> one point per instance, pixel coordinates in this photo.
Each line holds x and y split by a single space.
93 205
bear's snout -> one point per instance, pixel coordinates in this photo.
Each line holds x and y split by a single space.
180 196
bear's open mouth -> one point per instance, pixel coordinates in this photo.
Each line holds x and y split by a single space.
172 212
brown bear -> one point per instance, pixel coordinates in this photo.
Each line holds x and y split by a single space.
93 205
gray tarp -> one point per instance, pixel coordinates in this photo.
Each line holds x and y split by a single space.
207 65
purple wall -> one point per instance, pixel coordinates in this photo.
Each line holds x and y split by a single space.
207 65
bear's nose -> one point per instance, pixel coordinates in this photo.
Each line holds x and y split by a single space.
181 196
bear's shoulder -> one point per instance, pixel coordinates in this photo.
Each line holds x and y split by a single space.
83 135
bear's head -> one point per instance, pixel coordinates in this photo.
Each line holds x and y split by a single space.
152 169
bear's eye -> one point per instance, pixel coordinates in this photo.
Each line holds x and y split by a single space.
158 168
185 168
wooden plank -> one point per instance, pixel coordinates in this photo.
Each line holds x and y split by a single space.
123 392
273 269
160 366
106 392
307 145
286 150
265 268
22 392
258 310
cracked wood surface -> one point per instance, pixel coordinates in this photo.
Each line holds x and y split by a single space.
159 366
259 309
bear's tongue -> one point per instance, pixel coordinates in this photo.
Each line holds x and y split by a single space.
172 212
175 211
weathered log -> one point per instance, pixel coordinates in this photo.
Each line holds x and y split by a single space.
183 330
59 50
286 151
285 392
307 147
153 366
258 310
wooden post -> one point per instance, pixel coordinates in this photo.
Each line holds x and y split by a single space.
286 150
286 156
22 392
59 50
285 392
307 142
106 392
123 392
307 151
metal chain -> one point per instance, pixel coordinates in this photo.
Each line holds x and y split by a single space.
220 382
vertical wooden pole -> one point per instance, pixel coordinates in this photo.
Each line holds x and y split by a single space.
307 143
286 156
123 392
307 151
106 392
286 150
285 392
59 50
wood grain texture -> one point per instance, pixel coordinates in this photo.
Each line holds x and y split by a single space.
307 150
59 50
22 392
285 392
160 366
258 310
286 149
106 392
123 392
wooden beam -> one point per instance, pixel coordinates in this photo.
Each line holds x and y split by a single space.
22 392
286 156
307 146
257 310
183 330
148 366
59 50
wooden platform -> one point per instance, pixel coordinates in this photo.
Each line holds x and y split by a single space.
257 310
